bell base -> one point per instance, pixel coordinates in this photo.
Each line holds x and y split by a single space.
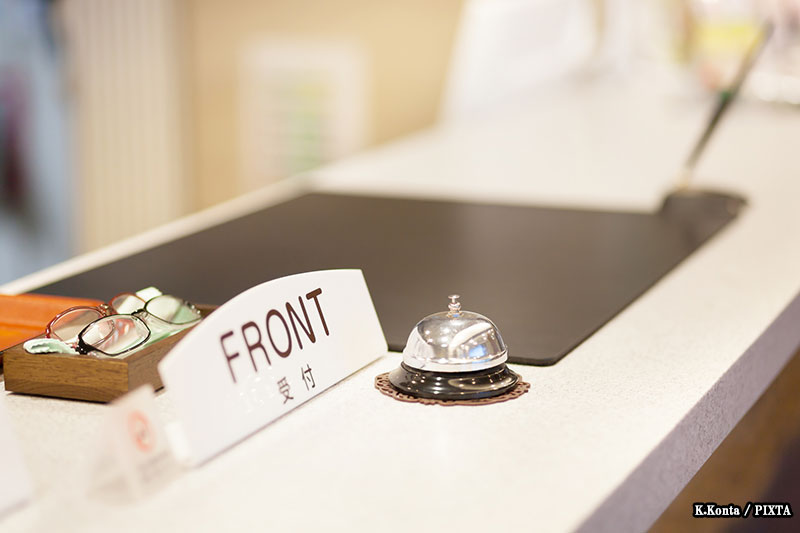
453 385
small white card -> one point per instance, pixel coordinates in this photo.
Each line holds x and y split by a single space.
267 351
15 484
135 457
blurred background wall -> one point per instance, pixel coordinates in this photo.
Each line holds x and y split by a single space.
181 104
398 51
36 179
117 116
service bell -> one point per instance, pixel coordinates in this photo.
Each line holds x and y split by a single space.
452 355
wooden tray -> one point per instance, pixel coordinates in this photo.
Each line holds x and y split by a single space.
83 377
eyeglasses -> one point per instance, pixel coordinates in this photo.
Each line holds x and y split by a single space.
124 324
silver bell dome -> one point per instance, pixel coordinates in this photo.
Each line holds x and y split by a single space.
455 341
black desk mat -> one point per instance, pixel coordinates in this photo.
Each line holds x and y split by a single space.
547 277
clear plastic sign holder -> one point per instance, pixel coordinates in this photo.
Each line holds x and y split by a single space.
16 487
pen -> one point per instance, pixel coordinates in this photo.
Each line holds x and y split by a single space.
724 99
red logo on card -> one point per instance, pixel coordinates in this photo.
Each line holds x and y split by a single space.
141 431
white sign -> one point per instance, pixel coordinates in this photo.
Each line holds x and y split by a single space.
267 351
15 485
134 454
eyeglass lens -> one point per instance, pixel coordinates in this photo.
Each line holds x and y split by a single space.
173 310
71 323
115 334
126 304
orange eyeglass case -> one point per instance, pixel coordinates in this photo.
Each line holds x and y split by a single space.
24 316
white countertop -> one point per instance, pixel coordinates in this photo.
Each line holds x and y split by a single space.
605 438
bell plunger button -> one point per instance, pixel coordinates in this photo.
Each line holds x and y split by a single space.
454 305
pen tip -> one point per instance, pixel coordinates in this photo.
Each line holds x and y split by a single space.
684 177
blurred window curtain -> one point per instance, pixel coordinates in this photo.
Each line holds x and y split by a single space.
123 58
35 189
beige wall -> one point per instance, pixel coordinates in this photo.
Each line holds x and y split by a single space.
407 44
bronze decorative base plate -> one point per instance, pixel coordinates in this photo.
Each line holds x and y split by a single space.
385 387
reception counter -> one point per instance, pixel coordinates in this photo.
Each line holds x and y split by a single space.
604 440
